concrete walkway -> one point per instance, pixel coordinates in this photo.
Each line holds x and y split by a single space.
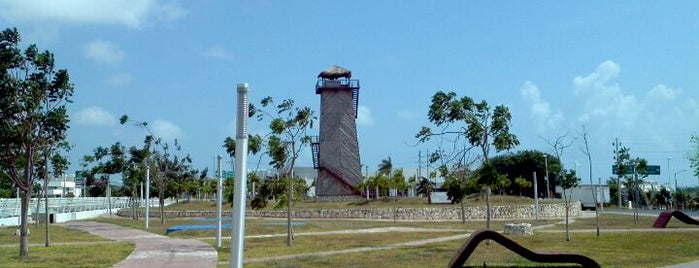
152 250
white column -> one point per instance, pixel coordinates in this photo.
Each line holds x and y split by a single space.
241 152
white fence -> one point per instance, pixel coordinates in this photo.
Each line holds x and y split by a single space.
10 208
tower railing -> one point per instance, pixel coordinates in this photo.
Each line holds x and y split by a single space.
336 83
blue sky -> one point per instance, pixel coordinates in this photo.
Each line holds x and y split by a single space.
624 69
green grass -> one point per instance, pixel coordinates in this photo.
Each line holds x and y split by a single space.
610 250
57 234
622 249
68 248
621 221
278 226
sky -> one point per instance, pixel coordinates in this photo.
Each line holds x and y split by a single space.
625 70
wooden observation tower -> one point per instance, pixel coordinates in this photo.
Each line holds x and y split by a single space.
336 152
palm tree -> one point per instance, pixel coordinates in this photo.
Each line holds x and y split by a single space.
425 187
523 185
386 167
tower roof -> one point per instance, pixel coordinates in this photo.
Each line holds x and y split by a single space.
335 72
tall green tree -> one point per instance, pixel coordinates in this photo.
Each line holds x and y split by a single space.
481 126
694 154
288 136
33 114
385 167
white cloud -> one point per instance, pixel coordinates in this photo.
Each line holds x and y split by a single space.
166 130
540 110
103 52
120 79
407 115
94 116
605 72
662 92
603 99
131 13
364 116
216 52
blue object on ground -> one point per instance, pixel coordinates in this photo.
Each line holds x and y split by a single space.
214 219
195 227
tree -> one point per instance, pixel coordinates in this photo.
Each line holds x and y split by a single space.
166 166
478 124
569 181
558 147
287 138
523 184
33 114
694 154
385 167
586 151
523 164
425 187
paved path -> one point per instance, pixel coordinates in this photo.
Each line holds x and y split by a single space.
152 250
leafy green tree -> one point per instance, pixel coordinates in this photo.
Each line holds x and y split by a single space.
694 154
569 181
33 115
482 127
398 181
523 164
288 137
523 184
425 187
166 165
613 188
385 167
663 197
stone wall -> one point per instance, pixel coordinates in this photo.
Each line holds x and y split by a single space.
436 213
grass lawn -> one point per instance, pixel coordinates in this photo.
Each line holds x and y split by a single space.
620 249
621 221
68 248
610 250
627 249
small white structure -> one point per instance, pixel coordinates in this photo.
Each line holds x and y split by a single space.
519 229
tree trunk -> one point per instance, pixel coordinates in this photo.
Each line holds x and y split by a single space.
487 207
23 235
463 212
567 202
161 197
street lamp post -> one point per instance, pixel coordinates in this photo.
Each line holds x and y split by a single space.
678 172
668 171
669 183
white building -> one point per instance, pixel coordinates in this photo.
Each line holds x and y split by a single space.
63 186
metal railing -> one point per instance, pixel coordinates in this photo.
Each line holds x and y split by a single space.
11 207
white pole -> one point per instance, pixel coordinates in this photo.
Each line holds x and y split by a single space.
241 152
147 196
109 195
219 201
536 197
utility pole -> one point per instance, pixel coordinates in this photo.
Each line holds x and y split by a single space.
546 174
219 202
618 178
